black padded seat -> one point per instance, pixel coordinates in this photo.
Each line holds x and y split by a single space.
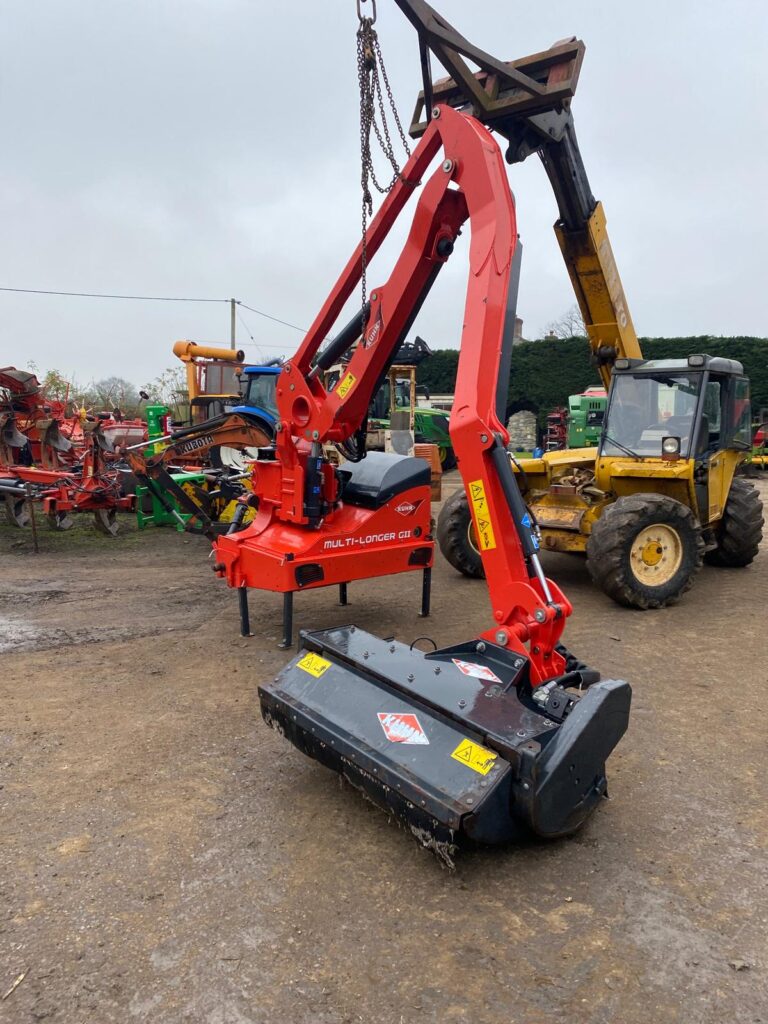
380 476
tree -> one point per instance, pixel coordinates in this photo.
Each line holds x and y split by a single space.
439 371
544 373
169 388
57 388
115 393
569 325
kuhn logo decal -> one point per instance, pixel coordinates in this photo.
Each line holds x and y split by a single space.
402 728
373 335
406 508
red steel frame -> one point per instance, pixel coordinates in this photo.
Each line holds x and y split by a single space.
88 489
470 183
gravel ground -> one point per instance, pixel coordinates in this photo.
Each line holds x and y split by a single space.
164 857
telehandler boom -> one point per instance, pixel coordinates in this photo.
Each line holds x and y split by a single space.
527 102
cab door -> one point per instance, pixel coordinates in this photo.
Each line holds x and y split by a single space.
708 476
731 438
710 431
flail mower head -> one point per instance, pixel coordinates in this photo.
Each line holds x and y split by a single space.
455 743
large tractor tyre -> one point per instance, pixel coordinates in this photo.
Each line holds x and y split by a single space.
645 550
740 530
447 459
456 537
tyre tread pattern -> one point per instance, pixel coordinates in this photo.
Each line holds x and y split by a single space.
612 536
741 528
452 537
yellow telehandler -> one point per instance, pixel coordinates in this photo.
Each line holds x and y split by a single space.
659 494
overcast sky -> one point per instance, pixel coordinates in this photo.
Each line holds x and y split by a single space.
210 148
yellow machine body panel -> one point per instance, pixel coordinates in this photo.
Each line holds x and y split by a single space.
722 467
566 502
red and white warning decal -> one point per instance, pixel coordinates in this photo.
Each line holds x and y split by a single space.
402 728
469 668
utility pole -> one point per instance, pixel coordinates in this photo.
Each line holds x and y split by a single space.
232 324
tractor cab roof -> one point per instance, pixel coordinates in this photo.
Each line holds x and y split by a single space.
698 361
257 370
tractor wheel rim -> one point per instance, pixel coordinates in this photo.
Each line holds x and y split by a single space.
472 537
237 458
656 554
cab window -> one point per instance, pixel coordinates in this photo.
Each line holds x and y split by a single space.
741 414
713 405
646 408
711 417
261 392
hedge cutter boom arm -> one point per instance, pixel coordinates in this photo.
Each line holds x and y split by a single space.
470 183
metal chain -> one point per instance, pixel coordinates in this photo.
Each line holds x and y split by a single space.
370 75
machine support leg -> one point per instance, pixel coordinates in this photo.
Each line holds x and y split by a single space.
342 593
245 621
426 592
287 640
32 523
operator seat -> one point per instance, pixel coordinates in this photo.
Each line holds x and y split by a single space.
380 476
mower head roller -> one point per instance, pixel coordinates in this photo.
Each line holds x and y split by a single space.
453 743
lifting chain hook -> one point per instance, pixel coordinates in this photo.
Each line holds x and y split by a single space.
361 16
375 97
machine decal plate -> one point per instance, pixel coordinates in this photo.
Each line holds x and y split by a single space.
483 525
313 664
469 668
478 758
194 444
400 727
346 385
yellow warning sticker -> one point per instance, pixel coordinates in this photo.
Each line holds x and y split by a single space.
314 664
483 524
475 757
346 385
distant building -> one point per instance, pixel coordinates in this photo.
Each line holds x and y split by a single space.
517 334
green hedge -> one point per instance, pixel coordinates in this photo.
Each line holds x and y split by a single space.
545 373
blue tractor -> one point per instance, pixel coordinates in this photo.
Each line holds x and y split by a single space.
258 394
257 402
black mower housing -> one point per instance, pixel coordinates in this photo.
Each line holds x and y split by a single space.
485 763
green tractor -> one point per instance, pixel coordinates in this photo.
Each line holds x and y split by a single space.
586 412
401 393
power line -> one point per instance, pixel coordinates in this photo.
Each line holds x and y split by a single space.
104 295
152 298
270 317
241 318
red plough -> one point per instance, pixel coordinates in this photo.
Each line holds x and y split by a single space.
53 459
